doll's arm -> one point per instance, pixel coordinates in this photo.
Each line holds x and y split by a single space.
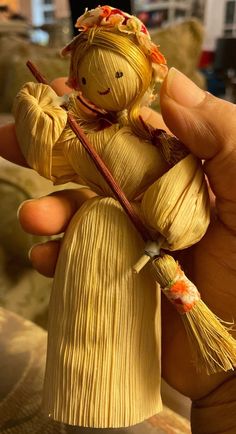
170 147
39 122
177 204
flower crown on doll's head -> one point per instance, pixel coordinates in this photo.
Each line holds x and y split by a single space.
116 21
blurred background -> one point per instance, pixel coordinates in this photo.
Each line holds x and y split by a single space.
207 26
197 36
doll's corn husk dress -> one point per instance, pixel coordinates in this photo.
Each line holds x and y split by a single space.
103 360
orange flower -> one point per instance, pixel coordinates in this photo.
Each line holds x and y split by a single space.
182 307
106 11
187 307
157 57
180 287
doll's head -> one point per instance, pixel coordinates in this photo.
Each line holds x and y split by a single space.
113 60
109 70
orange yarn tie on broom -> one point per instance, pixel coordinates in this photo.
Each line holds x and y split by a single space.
214 349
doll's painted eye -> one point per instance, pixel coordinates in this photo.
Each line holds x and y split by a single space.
119 74
83 80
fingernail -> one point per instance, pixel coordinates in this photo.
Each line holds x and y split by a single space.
21 206
32 248
30 251
182 90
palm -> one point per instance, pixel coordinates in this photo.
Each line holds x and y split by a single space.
211 265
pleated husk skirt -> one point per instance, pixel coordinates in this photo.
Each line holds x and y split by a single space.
103 361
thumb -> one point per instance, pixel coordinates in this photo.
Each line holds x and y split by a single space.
207 126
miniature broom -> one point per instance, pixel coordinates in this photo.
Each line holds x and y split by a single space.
213 347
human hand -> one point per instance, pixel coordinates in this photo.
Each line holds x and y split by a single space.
206 125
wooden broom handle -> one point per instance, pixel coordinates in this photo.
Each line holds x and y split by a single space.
103 169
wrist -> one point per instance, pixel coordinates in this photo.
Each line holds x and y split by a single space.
216 412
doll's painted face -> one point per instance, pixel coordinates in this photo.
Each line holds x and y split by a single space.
107 79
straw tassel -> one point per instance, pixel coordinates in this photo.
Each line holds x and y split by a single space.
214 349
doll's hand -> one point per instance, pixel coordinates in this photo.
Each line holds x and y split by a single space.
9 147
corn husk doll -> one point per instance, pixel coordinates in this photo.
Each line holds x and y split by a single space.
103 361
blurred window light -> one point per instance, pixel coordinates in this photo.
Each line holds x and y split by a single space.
230 12
230 19
48 16
158 13
228 32
180 13
39 37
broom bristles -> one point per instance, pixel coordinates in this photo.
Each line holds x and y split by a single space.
213 347
165 269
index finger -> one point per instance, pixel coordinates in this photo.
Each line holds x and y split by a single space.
9 146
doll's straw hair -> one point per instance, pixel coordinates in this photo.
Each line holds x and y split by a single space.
126 47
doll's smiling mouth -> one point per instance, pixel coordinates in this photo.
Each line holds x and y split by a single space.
105 92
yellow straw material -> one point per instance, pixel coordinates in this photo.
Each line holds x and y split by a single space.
214 349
